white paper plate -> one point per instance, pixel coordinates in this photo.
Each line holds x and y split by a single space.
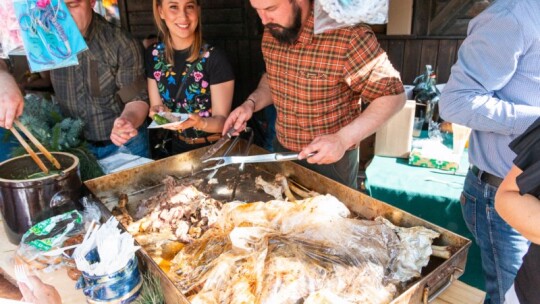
181 116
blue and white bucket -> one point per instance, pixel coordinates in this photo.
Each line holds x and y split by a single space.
121 287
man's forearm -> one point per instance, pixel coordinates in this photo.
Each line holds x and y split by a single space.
136 112
262 96
519 211
487 113
11 99
377 113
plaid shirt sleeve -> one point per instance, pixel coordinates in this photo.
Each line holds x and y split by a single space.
368 70
130 74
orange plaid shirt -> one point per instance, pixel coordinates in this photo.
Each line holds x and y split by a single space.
319 82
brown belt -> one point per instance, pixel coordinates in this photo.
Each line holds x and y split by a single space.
200 140
491 179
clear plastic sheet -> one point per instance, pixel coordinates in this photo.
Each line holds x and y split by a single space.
91 213
335 14
289 252
121 160
45 235
415 250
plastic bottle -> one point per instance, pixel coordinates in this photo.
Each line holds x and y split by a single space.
426 96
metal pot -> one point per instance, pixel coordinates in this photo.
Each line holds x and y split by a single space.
25 202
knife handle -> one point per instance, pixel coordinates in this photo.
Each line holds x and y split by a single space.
286 156
289 156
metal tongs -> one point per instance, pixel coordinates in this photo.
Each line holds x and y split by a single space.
220 143
263 158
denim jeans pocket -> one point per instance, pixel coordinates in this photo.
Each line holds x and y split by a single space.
338 173
468 209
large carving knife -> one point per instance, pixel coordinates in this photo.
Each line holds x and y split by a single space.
219 144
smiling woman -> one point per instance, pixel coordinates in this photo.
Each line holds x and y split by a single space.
179 22
185 75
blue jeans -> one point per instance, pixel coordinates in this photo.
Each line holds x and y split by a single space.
138 145
501 246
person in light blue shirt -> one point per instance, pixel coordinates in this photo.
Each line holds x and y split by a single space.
494 89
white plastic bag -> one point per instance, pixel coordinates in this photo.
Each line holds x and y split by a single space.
334 14
121 160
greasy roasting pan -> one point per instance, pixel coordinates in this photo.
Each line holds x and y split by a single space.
436 277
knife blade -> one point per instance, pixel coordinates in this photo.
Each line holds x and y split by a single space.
262 158
219 144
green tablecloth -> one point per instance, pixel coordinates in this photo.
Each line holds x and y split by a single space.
430 194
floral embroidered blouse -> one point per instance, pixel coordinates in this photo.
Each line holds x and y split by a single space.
213 68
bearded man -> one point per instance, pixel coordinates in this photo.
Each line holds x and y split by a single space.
318 84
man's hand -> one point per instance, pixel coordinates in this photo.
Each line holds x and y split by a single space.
41 294
123 130
328 148
239 118
11 99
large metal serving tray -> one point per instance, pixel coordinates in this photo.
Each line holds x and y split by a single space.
436 277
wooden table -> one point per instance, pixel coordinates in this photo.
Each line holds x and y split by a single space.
458 292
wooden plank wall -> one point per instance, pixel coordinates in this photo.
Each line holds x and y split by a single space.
410 56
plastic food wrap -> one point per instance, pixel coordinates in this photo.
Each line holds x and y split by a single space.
287 252
334 14
45 235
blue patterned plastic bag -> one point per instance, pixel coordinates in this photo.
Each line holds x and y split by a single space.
50 36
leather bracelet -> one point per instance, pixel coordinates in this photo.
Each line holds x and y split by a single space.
253 101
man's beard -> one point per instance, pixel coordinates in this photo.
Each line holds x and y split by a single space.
287 35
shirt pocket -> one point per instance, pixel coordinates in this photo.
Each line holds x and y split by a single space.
315 85
101 79
317 97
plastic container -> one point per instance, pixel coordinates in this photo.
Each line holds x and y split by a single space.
120 287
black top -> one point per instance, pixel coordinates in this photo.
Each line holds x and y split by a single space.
212 68
527 148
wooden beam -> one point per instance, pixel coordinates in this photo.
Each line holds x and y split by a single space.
124 19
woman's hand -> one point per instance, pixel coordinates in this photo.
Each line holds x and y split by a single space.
156 109
193 121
